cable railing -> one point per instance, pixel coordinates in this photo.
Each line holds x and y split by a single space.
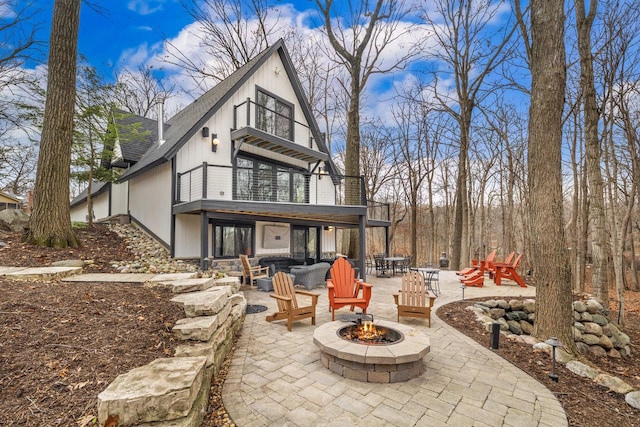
252 114
277 184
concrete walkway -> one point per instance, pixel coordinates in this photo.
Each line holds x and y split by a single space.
276 377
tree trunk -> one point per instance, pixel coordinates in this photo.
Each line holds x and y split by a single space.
50 223
352 157
600 277
554 312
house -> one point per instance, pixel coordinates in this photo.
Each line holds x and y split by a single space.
8 201
244 169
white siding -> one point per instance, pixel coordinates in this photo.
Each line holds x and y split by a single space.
150 200
100 209
219 174
187 238
119 198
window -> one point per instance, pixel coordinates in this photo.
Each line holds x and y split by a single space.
231 240
261 180
274 115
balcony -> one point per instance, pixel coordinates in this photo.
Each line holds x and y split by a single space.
283 191
274 132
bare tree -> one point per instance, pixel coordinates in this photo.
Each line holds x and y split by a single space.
599 244
553 275
139 91
50 222
471 51
359 39
230 33
17 44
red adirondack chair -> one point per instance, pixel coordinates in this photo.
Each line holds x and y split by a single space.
507 260
481 265
474 279
344 288
508 271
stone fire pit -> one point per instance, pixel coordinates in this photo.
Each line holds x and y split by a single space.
395 362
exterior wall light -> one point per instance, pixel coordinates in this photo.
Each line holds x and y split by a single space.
321 171
214 142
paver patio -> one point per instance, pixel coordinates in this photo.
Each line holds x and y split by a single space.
276 377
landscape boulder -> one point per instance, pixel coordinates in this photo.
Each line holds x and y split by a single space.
13 220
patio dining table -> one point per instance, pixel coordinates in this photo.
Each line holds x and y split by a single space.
431 278
394 260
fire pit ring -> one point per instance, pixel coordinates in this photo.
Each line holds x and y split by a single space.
396 362
358 334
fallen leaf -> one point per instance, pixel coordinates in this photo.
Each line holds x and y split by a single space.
78 386
86 420
112 421
141 318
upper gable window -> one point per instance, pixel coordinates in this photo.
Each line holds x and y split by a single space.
274 115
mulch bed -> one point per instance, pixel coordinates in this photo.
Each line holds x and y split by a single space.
63 343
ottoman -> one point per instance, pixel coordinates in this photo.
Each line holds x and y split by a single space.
266 284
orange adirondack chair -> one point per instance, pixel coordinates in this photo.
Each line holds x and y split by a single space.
508 271
344 289
481 265
474 279
487 263
507 260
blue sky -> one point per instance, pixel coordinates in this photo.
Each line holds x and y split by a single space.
122 25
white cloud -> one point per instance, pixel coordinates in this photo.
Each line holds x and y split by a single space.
6 11
145 7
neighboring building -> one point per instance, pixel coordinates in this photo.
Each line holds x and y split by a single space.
242 170
8 201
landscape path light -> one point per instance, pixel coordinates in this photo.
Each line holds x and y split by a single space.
553 342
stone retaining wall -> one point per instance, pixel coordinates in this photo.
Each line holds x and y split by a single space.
148 395
592 329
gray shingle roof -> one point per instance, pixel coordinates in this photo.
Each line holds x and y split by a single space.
133 147
96 188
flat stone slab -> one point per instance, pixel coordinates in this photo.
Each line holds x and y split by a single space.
5 270
181 286
34 273
110 277
167 277
196 328
163 390
204 303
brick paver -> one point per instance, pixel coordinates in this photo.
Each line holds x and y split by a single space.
276 377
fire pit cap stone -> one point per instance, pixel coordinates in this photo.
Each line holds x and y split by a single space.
414 347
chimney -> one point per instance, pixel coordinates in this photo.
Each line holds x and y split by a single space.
160 107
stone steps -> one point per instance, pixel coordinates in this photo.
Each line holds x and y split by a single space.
175 391
38 273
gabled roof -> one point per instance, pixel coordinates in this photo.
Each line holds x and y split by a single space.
11 197
133 147
193 117
97 187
